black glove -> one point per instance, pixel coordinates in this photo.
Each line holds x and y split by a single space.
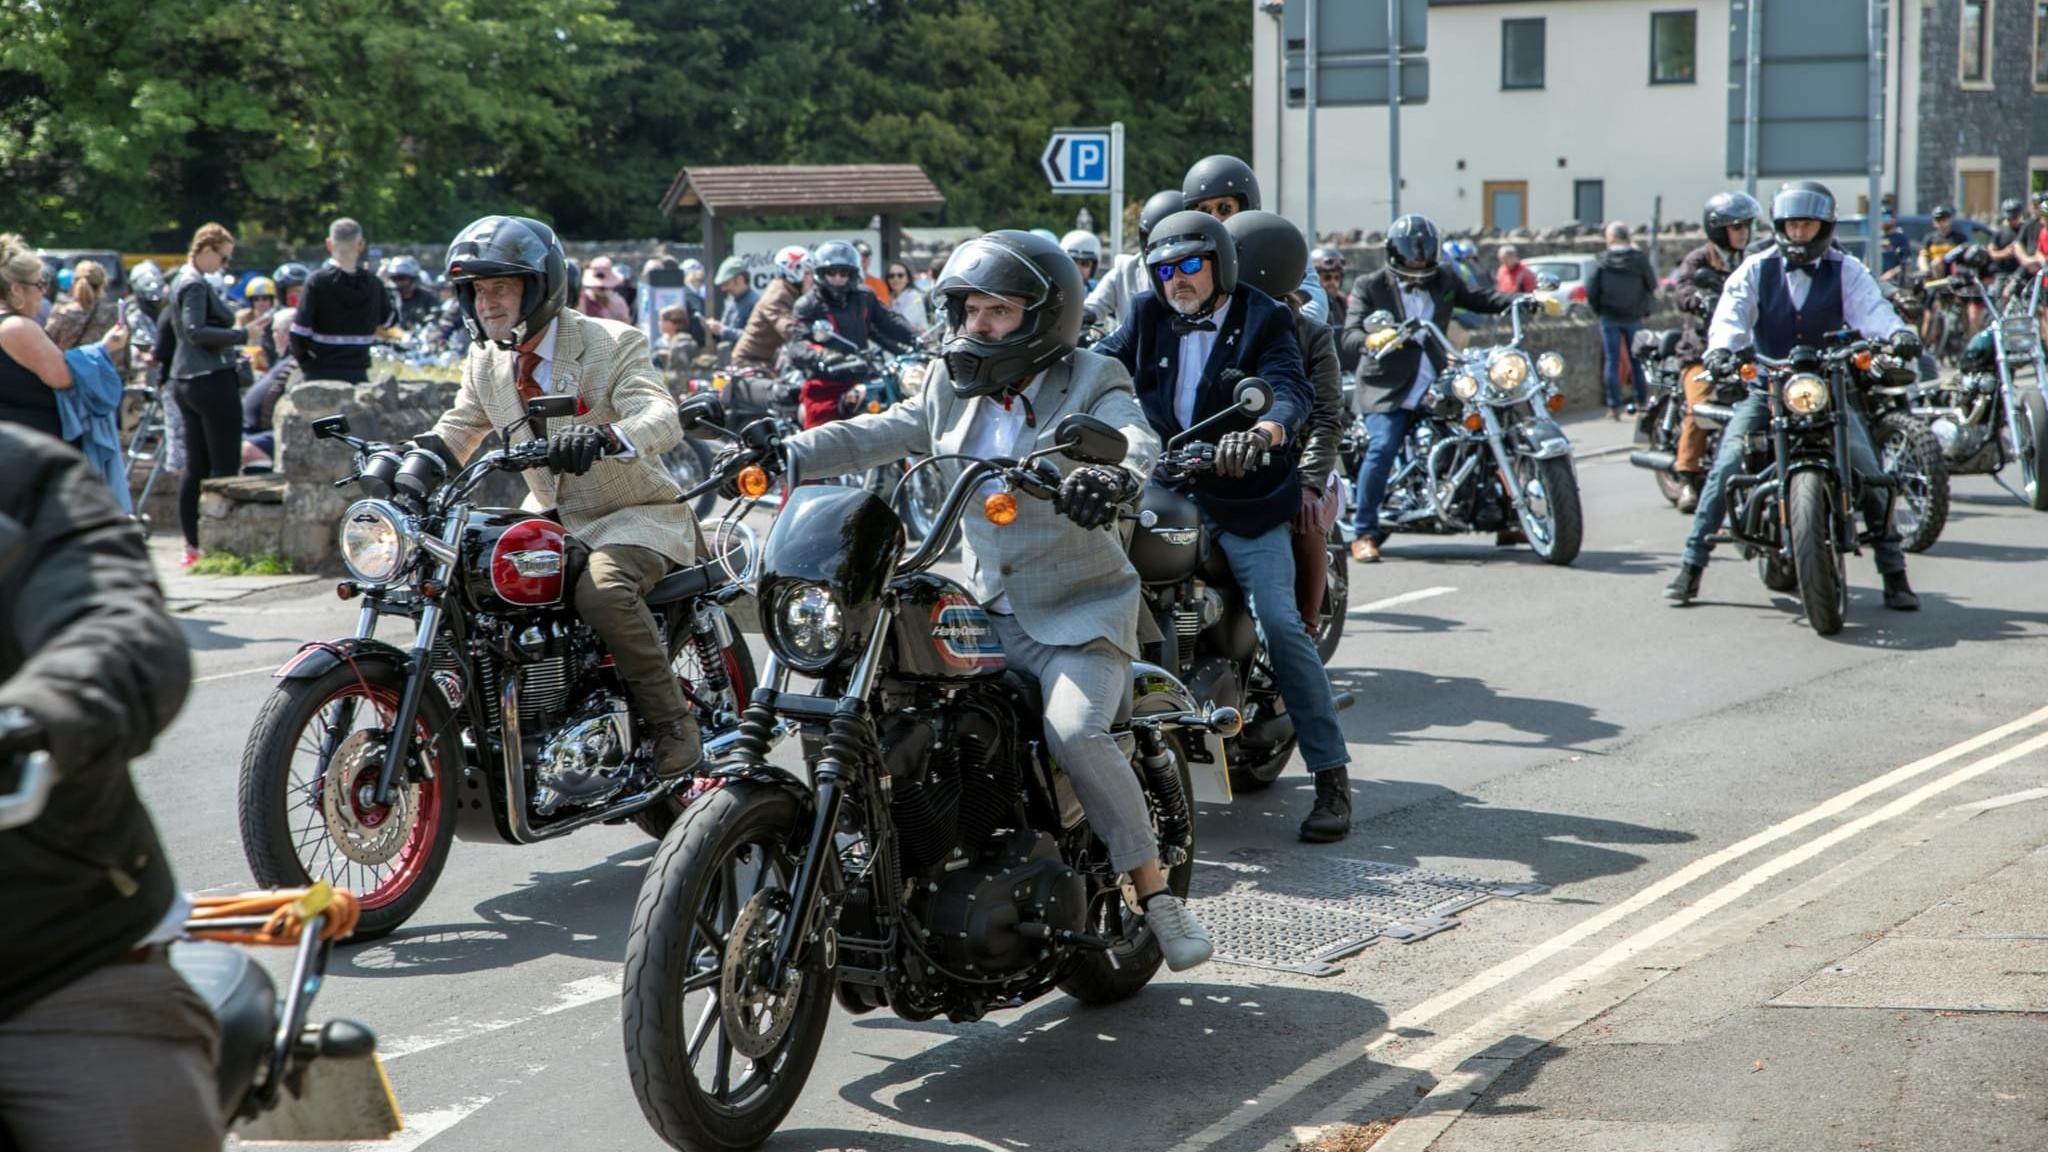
1905 344
1720 363
575 448
1089 495
733 460
846 368
1239 453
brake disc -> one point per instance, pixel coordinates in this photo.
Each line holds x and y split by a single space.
366 832
756 1017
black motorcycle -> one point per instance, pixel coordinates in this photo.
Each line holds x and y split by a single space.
1201 627
1661 421
1909 452
1985 416
1794 504
935 862
515 726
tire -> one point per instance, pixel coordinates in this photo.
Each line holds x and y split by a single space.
1669 485
1909 452
1336 597
688 662
1776 574
2033 438
690 464
1815 560
1097 981
1255 769
1554 535
280 740
666 948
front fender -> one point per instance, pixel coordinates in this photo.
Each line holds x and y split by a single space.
1539 439
315 659
1155 690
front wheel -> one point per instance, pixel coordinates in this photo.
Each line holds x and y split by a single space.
1553 520
307 795
2033 438
716 1056
717 679
1816 562
1910 454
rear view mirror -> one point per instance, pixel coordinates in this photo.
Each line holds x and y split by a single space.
699 410
822 330
1253 396
329 427
551 407
1379 321
1089 440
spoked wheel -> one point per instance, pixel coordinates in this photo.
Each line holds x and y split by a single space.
1336 596
1910 454
1819 566
916 496
717 679
1134 956
2032 429
718 1057
690 464
1553 521
308 797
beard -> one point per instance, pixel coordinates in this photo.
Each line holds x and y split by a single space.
1184 299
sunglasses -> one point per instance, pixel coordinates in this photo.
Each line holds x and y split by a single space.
899 275
1186 266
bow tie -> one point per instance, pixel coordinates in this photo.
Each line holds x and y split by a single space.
1182 325
1030 417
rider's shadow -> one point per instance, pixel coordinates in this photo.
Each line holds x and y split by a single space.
1062 1075
1410 707
1942 622
583 914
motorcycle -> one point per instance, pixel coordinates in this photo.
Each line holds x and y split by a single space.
1484 454
1982 417
1910 454
936 862
889 379
281 1077
1661 421
506 722
1793 506
1201 626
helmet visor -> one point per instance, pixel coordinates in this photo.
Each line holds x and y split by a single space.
990 269
1802 204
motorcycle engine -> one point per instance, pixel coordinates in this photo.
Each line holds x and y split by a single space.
973 910
586 760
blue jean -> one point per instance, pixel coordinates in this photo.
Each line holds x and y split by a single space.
1615 338
1752 413
1263 566
1384 433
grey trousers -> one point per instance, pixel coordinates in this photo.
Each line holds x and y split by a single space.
1085 689
119 1060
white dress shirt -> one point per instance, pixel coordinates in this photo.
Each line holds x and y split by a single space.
993 431
1864 307
1419 305
1194 357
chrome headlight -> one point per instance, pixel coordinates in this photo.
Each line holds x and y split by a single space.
1508 370
376 545
913 376
1464 386
806 626
1806 394
1550 365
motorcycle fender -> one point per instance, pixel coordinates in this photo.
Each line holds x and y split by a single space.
1153 690
316 659
768 776
1539 439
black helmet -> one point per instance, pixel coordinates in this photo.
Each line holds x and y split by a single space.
1724 211
1941 212
1214 176
1023 267
1413 245
1158 207
291 275
2012 206
1190 233
1803 200
1327 259
1272 254
842 255
1975 257
510 246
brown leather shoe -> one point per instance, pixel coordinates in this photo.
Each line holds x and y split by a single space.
678 748
1365 550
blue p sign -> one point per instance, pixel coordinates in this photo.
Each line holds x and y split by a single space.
1086 161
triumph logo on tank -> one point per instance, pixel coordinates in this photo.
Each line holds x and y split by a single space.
964 634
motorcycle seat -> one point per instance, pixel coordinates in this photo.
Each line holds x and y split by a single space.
244 1001
1668 341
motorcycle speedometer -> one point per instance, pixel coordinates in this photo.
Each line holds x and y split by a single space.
376 545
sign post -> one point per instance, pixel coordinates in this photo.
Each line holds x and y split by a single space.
1087 161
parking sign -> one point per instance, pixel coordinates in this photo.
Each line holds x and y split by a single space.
1078 160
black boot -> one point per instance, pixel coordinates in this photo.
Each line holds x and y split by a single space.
1330 819
1684 586
1898 595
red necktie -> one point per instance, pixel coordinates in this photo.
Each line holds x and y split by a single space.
529 363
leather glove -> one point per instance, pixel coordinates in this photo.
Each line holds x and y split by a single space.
1089 496
575 448
1720 363
1905 344
732 460
1239 453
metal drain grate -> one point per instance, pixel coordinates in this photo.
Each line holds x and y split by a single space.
1293 913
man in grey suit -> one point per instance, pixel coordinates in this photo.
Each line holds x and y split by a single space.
1056 581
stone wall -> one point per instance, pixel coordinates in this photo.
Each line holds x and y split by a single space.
1578 341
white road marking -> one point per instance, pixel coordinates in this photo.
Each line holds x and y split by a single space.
233 675
574 994
1292 1085
2005 801
1397 601
424 1126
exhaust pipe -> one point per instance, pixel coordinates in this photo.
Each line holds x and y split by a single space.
1270 731
1654 461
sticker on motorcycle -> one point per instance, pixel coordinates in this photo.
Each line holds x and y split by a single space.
964 635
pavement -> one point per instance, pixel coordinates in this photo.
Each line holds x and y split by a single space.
1791 888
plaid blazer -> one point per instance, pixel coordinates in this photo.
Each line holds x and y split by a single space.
606 365
1067 585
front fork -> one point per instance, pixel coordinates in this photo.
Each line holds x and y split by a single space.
1496 439
419 670
341 715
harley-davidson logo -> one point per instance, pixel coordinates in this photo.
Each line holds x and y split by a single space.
964 635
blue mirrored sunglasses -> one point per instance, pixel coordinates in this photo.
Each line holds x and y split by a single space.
1186 266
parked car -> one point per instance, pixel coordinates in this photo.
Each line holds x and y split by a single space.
116 268
1572 271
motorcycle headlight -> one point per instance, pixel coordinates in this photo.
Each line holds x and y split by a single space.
913 378
1550 365
1464 386
376 545
807 628
1806 394
1508 370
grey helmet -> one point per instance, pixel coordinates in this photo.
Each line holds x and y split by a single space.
1725 210
511 246
1157 207
1191 233
291 274
842 255
146 280
1025 267
1214 176
1272 254
403 268
1803 200
1327 259
1082 244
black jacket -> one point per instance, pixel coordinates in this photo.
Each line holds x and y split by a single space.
89 653
1382 384
862 319
207 336
1624 287
1695 303
339 315
1254 337
422 308
1319 454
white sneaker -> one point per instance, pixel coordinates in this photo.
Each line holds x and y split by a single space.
1181 937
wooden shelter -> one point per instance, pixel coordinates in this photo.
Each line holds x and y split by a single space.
825 191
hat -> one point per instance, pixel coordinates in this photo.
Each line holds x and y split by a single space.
599 273
731 267
692 265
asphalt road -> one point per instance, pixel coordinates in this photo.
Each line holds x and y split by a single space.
1686 782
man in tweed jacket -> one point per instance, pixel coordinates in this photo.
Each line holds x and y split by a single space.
605 477
1060 590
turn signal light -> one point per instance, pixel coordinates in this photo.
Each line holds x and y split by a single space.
874 406
347 590
1473 422
753 482
1001 509
1748 371
1556 402
1863 361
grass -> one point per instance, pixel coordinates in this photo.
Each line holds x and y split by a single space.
229 564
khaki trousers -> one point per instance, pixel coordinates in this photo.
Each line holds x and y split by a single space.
611 598
1692 439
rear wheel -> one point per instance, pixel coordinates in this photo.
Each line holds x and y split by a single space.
1133 957
1254 767
1818 564
2032 430
1910 454
1554 522
1776 573
1669 484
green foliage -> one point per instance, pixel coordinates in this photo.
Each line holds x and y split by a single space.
129 122
230 564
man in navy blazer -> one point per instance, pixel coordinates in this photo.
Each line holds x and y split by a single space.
1187 343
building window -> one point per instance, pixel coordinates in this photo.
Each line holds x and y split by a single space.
1976 55
2040 34
1589 202
1521 53
1506 203
1673 47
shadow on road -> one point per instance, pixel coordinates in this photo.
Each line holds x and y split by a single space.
582 914
1995 553
1618 563
1942 622
1406 702
201 635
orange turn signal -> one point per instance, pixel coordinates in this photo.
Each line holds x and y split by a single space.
1556 402
1473 421
753 482
874 406
1863 361
1748 371
1000 509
